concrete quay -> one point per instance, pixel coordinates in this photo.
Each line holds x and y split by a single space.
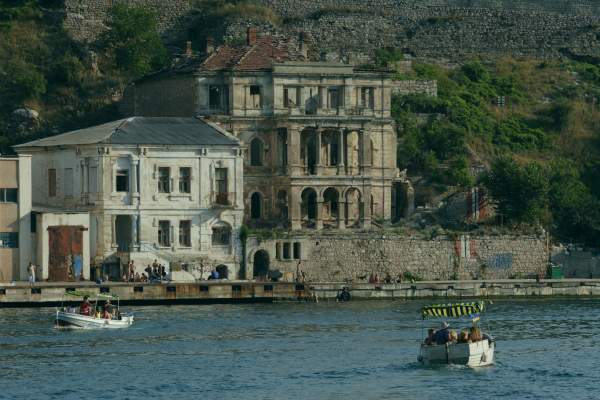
45 294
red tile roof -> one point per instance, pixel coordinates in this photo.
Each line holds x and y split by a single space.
261 55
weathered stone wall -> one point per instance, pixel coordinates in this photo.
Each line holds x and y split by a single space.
455 29
356 257
85 19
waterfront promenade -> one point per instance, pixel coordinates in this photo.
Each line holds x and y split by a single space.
21 294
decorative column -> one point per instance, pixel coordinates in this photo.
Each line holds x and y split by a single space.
341 168
366 208
341 214
135 232
113 231
319 222
318 166
293 150
84 180
296 213
365 152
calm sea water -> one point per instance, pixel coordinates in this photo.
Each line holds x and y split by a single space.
546 349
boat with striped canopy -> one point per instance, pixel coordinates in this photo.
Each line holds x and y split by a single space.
73 318
476 351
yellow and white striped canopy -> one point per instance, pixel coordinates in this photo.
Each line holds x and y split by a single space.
452 310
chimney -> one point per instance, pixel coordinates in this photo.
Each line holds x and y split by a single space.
188 48
210 45
251 36
302 45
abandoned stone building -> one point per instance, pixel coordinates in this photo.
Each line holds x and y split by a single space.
137 188
319 140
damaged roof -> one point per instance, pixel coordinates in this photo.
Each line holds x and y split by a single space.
143 131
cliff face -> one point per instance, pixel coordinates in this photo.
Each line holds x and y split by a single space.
453 29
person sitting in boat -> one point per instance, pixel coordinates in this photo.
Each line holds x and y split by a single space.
463 337
475 334
430 339
107 313
84 308
442 335
453 336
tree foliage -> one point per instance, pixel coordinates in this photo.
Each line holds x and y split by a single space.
133 40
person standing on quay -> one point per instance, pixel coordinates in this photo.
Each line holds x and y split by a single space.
31 271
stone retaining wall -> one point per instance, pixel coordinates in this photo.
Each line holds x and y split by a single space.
356 257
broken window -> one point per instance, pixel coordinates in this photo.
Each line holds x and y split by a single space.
221 235
185 239
164 237
51 182
255 101
335 97
164 180
256 149
282 147
122 178
215 97
184 179
291 96
366 99
296 250
221 186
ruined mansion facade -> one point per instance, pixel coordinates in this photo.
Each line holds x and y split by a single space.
318 137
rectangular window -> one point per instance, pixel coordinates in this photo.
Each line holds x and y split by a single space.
164 235
164 178
366 97
286 251
334 97
278 250
214 97
185 239
51 182
184 180
68 181
33 223
9 195
291 97
255 96
221 236
221 185
9 240
296 250
93 180
122 180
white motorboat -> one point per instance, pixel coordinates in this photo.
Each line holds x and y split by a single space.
472 353
73 318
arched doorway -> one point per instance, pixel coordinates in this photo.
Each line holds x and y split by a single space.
330 207
223 271
261 264
255 206
308 207
353 207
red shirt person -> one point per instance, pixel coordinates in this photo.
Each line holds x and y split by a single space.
84 308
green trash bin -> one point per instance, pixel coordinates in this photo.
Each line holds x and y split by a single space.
556 272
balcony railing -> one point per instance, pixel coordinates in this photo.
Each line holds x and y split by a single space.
223 199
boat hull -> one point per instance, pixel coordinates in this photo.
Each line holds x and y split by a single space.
478 354
68 320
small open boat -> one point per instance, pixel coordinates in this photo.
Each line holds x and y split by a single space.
476 352
73 318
